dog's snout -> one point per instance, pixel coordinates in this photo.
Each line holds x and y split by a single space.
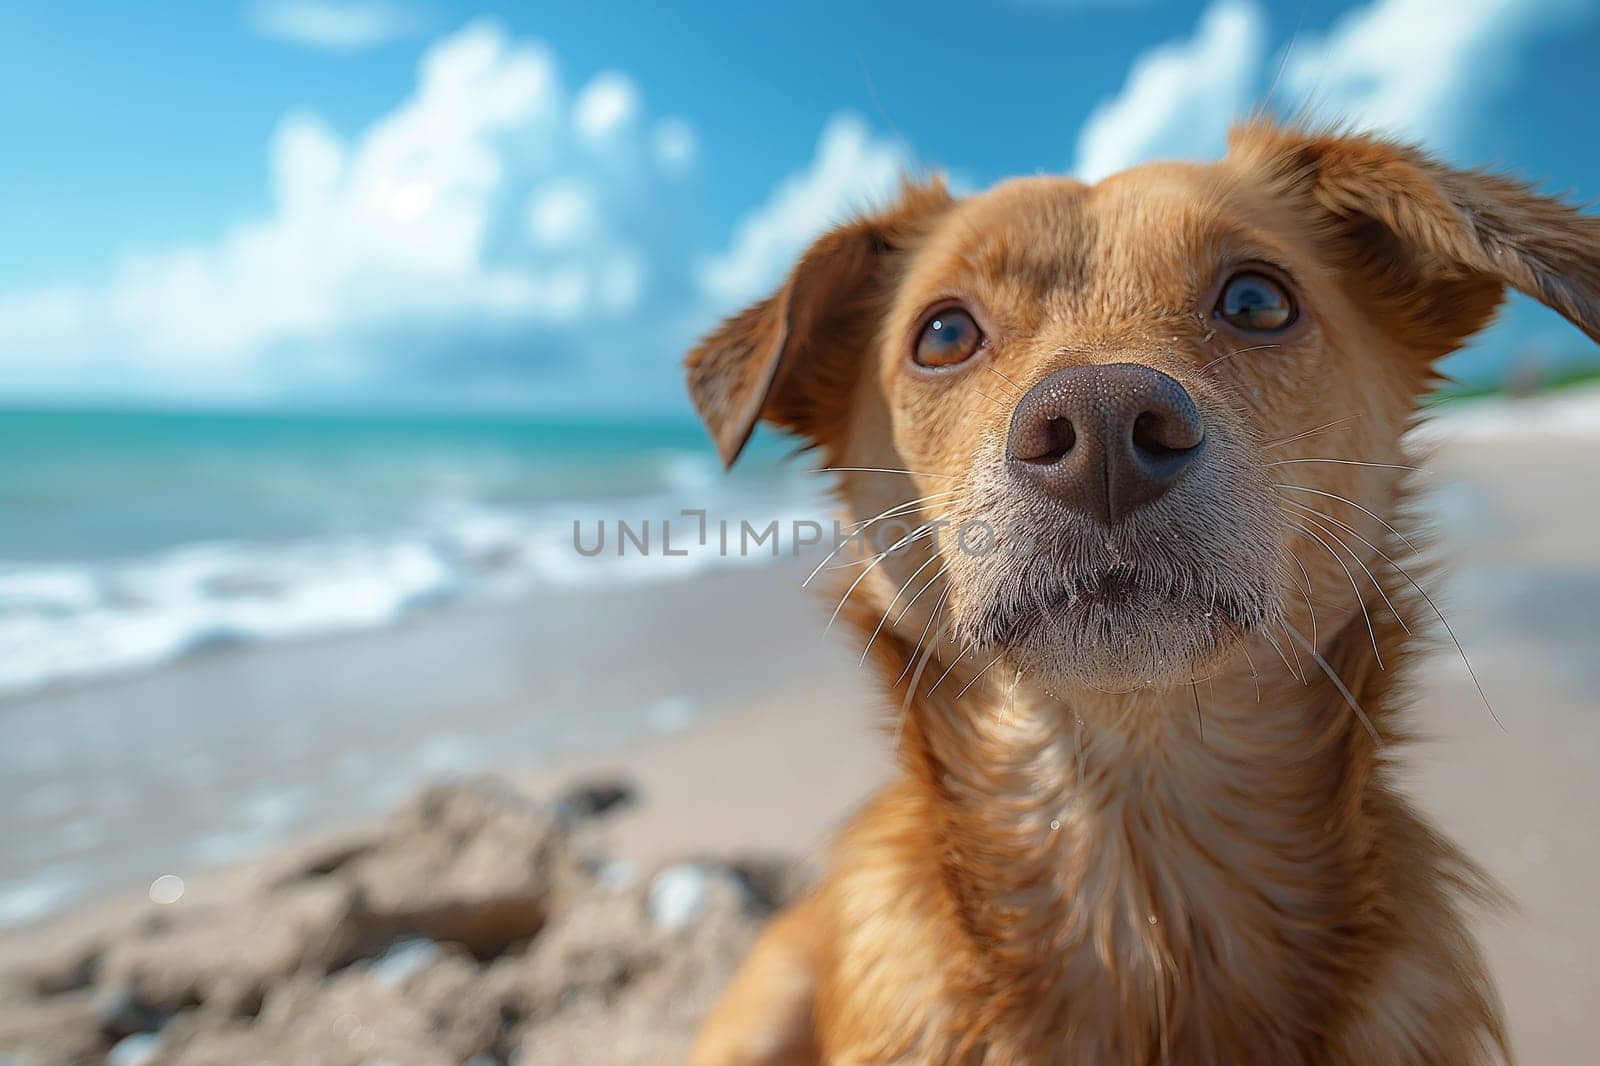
1105 440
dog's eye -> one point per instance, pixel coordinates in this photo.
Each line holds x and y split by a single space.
1256 303
950 337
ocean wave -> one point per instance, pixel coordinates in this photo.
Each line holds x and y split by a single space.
70 622
1571 413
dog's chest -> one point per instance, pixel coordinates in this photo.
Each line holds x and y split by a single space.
1130 926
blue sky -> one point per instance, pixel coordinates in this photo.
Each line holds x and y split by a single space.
368 204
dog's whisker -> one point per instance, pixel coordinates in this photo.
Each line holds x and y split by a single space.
933 558
1338 682
1020 390
1255 675
915 534
879 470
1322 522
1355 588
1435 608
1299 674
1305 590
952 666
912 601
903 507
853 562
1311 432
1239 351
938 603
1199 720
911 692
820 566
1011 698
991 399
824 565
1349 462
1342 499
1482 695
979 675
1299 669
904 504
937 574
863 525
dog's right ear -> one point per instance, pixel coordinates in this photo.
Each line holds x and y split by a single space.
1437 245
792 357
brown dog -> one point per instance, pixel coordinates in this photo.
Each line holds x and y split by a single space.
1146 665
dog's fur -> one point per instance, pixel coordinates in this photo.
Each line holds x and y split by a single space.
1163 830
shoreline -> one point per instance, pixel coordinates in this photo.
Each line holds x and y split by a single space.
221 756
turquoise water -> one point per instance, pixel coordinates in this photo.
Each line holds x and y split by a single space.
91 485
127 539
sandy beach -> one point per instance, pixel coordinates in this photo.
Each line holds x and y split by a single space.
220 755
760 734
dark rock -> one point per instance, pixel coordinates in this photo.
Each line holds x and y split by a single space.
233 951
121 1013
475 864
590 799
74 971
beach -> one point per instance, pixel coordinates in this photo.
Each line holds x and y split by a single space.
743 730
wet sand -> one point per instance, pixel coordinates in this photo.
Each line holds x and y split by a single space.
217 757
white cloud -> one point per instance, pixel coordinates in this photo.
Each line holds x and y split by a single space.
1423 71
491 229
605 107
561 215
338 25
852 169
1417 68
1180 97
501 236
471 230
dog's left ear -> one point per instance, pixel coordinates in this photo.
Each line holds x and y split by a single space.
1435 246
792 357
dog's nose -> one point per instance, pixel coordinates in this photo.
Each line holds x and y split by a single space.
1105 440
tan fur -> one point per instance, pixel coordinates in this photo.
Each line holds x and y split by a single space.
1213 865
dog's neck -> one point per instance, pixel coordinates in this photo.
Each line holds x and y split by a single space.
1164 854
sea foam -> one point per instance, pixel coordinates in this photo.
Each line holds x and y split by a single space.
61 622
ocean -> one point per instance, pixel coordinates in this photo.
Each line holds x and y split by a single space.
128 540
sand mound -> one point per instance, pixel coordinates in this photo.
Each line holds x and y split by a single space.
476 926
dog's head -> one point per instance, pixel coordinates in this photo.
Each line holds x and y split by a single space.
1137 421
